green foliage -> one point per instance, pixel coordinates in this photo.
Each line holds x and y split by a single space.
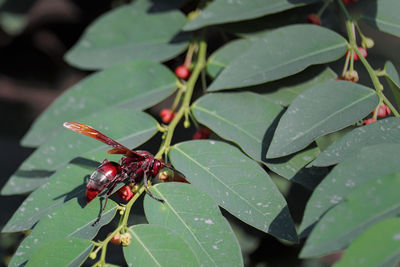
278 113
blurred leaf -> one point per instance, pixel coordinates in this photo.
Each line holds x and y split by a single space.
368 163
280 53
136 31
14 15
392 77
380 132
373 201
260 26
70 220
62 252
153 245
137 127
225 54
320 110
384 15
378 246
196 218
227 114
69 183
236 183
134 84
223 11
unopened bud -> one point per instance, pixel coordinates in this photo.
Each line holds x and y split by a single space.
367 42
186 124
351 76
93 255
125 239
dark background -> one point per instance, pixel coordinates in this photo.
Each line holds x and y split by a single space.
33 74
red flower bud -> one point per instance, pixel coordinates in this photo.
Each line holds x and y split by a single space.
125 193
314 19
203 133
182 72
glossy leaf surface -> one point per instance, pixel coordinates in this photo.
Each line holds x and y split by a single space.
62 252
380 132
70 220
328 107
223 11
69 183
280 53
236 183
369 163
384 15
378 246
227 114
196 218
134 84
153 245
141 30
137 127
373 201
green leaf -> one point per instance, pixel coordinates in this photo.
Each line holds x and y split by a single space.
62 252
227 114
385 251
375 200
153 245
392 77
70 220
137 127
384 15
224 11
236 183
320 110
284 91
141 30
380 132
134 84
225 54
323 142
256 27
267 59
69 183
293 167
195 217
369 163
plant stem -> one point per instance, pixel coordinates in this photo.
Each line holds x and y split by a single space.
184 109
374 77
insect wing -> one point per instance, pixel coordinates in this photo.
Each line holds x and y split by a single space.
126 152
91 132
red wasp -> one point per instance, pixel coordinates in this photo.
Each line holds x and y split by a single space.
136 164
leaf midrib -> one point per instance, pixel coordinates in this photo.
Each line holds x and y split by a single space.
221 182
338 111
145 248
184 223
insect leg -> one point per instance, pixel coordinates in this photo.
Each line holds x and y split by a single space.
108 193
148 190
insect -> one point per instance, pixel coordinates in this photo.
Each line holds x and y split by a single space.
134 166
